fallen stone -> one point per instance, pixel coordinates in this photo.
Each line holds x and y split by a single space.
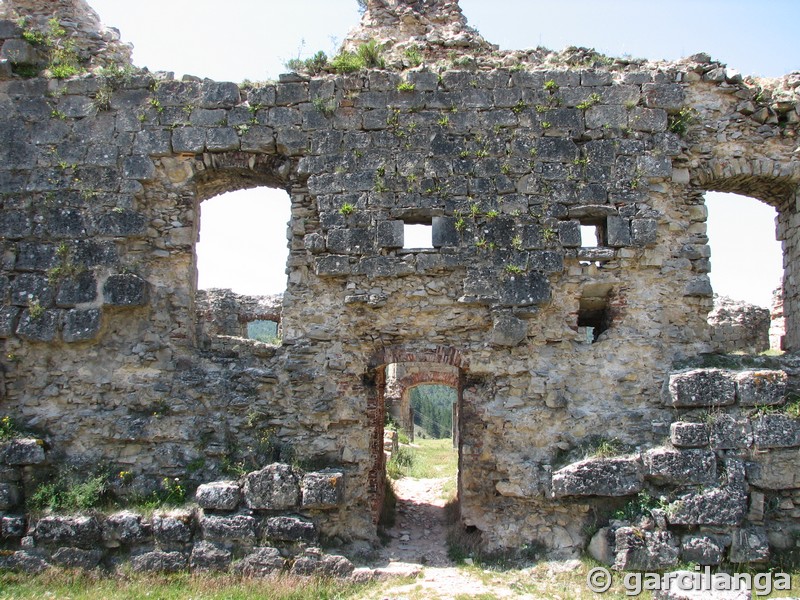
601 546
315 562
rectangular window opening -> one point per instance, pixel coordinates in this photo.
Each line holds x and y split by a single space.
416 235
265 330
590 236
594 314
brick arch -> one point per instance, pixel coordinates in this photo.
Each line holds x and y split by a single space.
777 184
768 180
403 354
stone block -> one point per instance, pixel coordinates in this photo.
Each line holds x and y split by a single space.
638 550
76 558
333 266
776 431
275 487
654 166
125 289
13 526
9 496
350 241
209 557
683 434
77 289
8 321
556 149
508 330
38 327
600 115
680 467
190 140
618 231
444 232
569 233
138 167
81 325
647 119
701 388
775 470
33 256
172 530
668 96
700 287
20 52
290 529
222 139
24 561
228 529
619 476
77 531
717 506
30 287
385 266
644 232
121 223
314 562
390 234
22 451
219 95
749 545
322 489
219 495
122 528
159 562
261 562
14 224
761 388
258 139
524 289
702 549
726 432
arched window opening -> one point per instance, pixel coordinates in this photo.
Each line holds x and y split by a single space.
242 247
746 265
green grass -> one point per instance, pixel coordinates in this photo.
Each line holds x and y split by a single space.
91 586
427 459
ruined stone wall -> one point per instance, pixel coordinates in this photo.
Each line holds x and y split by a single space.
223 312
739 326
554 343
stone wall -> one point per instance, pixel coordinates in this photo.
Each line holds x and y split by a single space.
222 312
505 156
738 326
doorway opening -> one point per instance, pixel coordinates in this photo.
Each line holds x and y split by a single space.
745 268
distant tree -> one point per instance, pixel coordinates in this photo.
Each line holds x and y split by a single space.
433 409
362 6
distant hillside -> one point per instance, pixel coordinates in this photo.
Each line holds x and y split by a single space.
433 409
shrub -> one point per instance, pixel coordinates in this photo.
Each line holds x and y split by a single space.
67 494
346 62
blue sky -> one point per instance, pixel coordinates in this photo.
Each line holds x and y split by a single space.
252 39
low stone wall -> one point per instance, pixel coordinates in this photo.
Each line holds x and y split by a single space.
266 522
724 487
737 326
224 312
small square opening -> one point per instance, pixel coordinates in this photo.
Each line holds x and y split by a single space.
591 236
416 235
594 314
264 330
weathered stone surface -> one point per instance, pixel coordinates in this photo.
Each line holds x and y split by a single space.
716 506
290 529
702 549
122 528
775 470
239 528
78 531
81 325
125 290
726 432
209 557
508 330
22 451
601 546
680 467
688 435
761 388
24 561
776 431
13 526
172 530
639 550
750 545
10 496
261 562
76 558
314 562
322 489
159 562
275 487
599 477
219 495
702 387
738 326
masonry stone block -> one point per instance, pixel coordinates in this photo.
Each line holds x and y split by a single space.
508 330
639 550
322 489
222 139
749 545
644 232
22 451
8 321
688 435
121 223
290 529
13 526
139 167
775 470
761 387
125 289
20 52
618 231
159 562
122 528
77 531
617 476
32 256
261 562
670 97
39 325
776 431
219 495
191 140
14 224
172 530
29 288
314 562
680 467
76 289
715 506
333 266
81 325
569 233
76 558
219 95
525 289
210 557
9 496
275 487
701 388
234 528
444 232
702 549
726 432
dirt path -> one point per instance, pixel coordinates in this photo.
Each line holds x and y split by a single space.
418 546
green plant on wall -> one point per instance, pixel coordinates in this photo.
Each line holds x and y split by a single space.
347 209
